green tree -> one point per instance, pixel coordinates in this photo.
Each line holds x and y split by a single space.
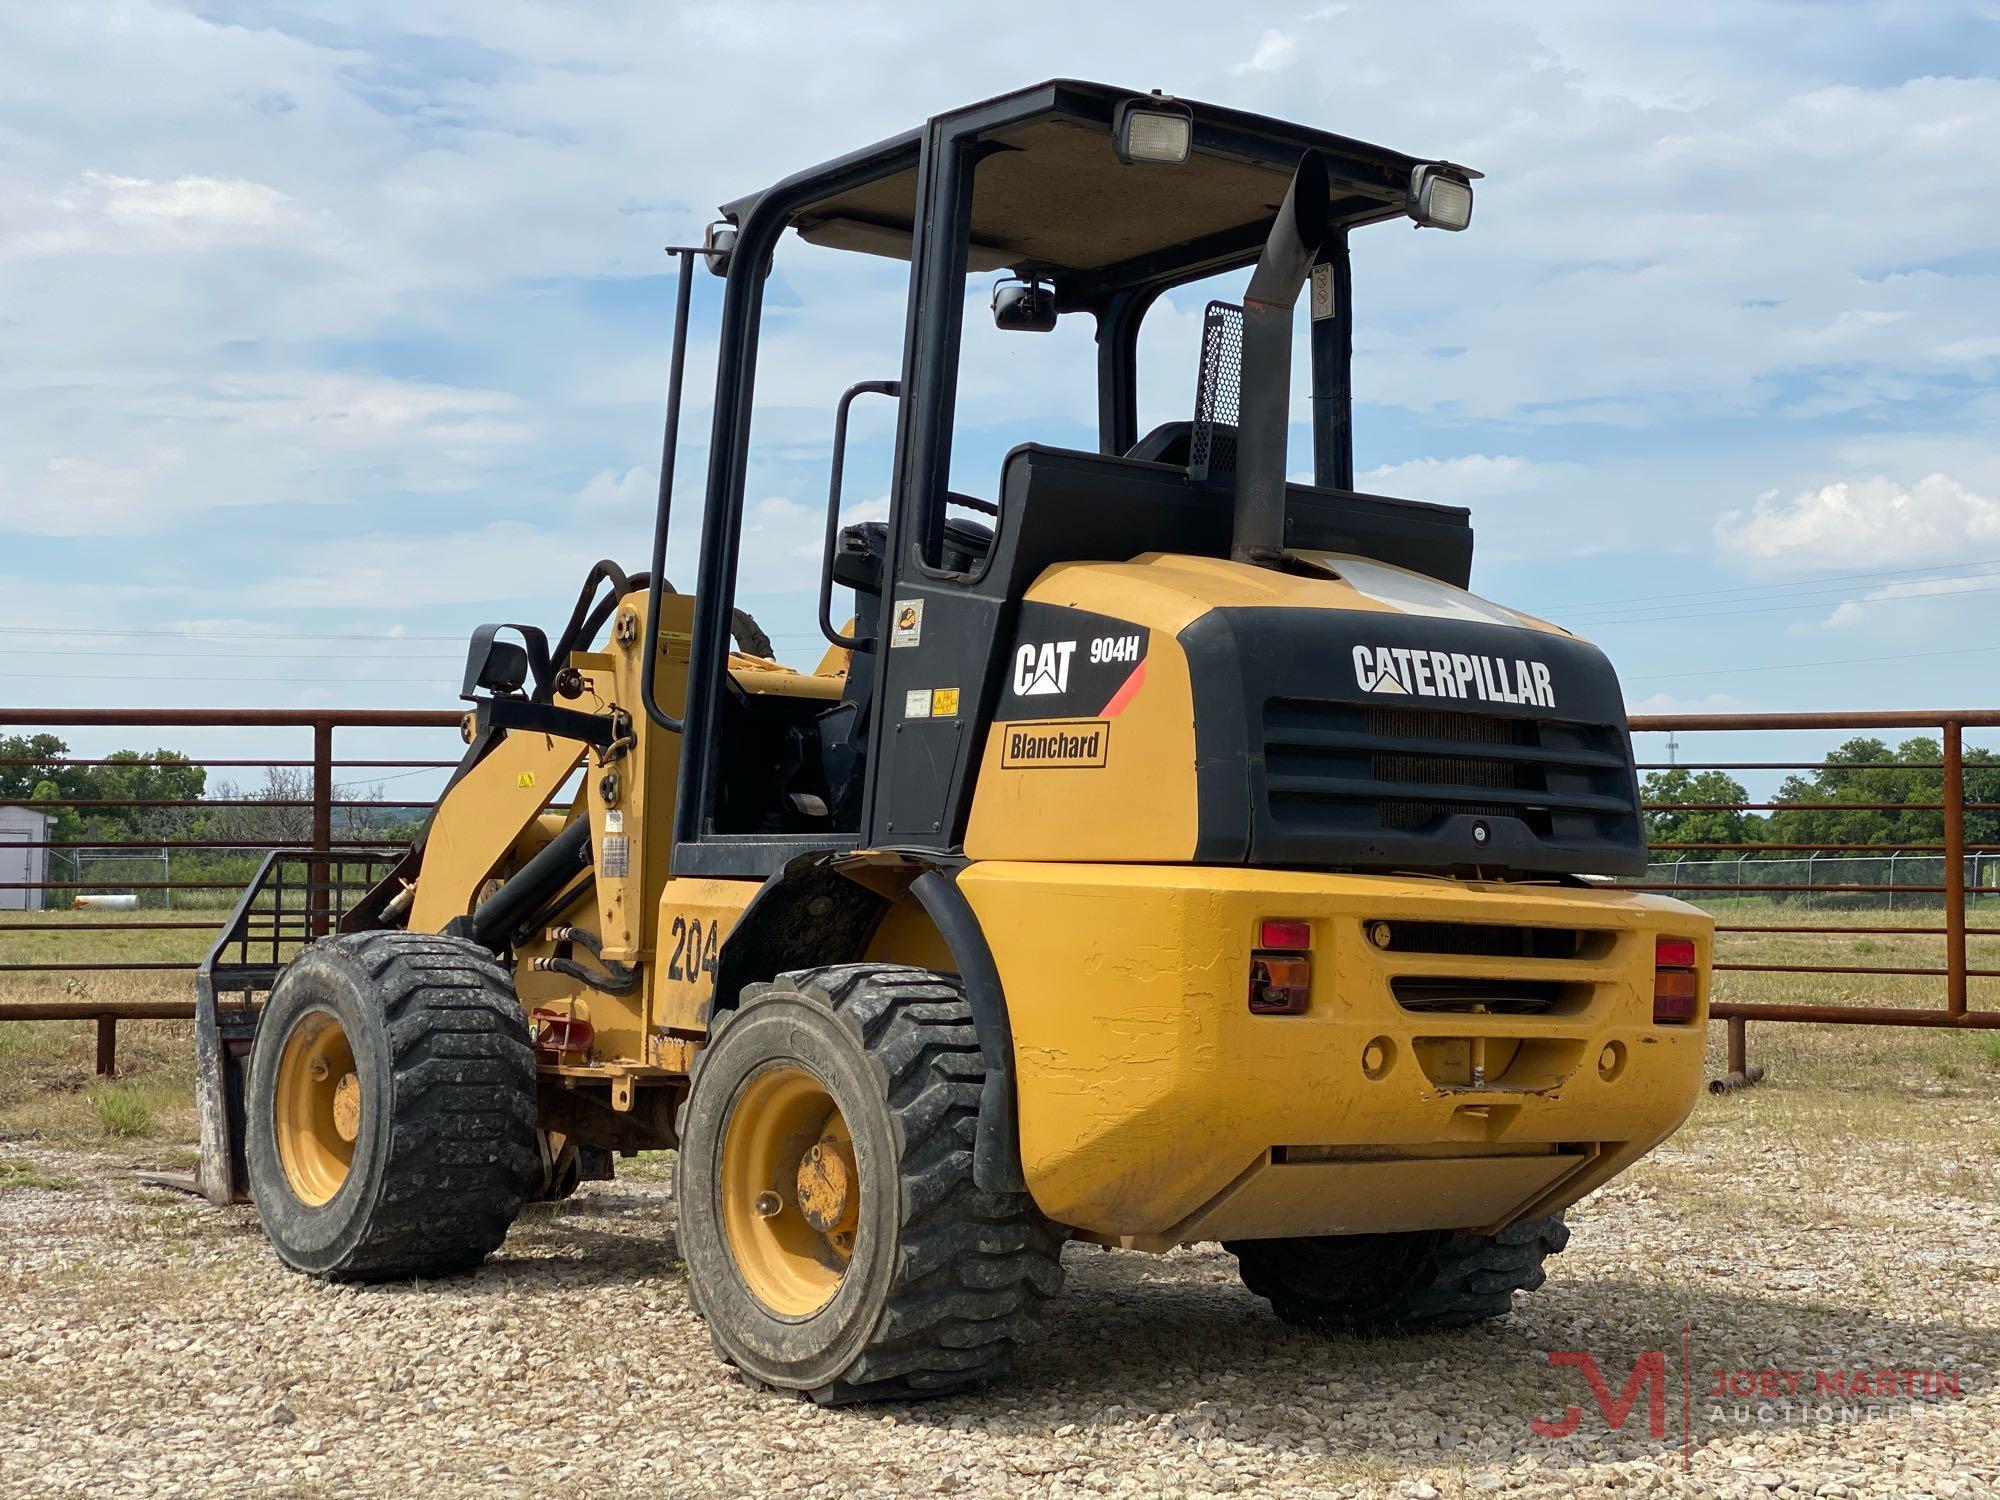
1866 770
1681 784
67 790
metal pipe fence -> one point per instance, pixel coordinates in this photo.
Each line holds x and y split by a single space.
1949 874
175 863
1755 887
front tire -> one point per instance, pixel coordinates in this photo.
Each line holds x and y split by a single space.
1375 1284
391 1108
834 1238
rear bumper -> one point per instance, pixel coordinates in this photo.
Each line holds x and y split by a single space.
1155 1109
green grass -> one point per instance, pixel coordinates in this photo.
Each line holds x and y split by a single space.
122 1111
22 1174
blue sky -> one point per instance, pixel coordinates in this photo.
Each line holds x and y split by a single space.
329 331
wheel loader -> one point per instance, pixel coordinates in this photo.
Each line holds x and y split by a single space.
1164 850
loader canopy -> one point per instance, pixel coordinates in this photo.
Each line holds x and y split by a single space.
1097 200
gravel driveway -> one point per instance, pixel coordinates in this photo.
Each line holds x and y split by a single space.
149 1344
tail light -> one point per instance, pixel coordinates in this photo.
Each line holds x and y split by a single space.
1675 983
1281 968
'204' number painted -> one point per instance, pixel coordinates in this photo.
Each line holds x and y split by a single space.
695 943
1108 648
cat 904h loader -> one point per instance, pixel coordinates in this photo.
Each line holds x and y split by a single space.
1164 851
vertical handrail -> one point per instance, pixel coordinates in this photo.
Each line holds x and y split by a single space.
670 441
1954 869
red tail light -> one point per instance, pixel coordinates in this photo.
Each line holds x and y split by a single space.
1676 986
1287 934
1281 968
1673 953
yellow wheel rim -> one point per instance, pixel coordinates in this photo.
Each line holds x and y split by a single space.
317 1107
791 1193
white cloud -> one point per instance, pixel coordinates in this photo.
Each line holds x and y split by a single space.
1860 522
1274 53
631 493
146 460
1670 703
1852 612
490 565
103 213
1461 481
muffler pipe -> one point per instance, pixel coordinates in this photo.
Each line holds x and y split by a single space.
1264 411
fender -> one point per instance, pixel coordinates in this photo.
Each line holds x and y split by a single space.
822 909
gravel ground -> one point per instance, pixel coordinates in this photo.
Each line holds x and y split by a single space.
150 1344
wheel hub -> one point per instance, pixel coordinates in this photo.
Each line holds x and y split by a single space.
790 1189
826 1183
347 1107
317 1103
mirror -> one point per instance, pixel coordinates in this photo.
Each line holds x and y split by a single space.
1024 306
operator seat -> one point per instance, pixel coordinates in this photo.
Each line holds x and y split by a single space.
860 563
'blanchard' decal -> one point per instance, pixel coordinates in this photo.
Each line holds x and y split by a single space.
1452 674
1068 742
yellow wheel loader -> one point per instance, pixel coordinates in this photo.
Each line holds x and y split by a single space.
1164 851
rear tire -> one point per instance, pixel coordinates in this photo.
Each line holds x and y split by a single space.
919 1282
414 1160
1376 1284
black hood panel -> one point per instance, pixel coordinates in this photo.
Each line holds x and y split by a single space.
1369 740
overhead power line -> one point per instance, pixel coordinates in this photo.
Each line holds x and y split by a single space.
1798 666
1793 583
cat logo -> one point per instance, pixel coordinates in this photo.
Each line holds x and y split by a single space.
1043 669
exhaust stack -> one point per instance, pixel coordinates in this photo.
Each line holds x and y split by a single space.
1265 415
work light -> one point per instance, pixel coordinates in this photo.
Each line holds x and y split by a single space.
1440 197
1155 129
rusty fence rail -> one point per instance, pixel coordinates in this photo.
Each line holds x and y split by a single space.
1754 860
303 811
1767 870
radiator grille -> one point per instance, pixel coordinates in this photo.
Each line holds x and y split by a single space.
1345 768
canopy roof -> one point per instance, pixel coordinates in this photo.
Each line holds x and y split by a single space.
1054 197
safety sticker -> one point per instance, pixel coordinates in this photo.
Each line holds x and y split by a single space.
944 703
908 629
1322 297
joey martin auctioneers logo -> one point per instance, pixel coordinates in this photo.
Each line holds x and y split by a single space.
1740 1395
1420 673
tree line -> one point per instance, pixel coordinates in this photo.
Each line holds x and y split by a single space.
33 772
1863 771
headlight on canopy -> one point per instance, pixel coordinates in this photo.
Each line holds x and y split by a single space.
1440 197
1152 129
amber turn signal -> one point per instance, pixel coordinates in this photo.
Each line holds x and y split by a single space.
1279 983
1675 983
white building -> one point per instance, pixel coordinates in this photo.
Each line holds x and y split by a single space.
21 828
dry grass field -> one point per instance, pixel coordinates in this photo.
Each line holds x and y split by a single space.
1844 1214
